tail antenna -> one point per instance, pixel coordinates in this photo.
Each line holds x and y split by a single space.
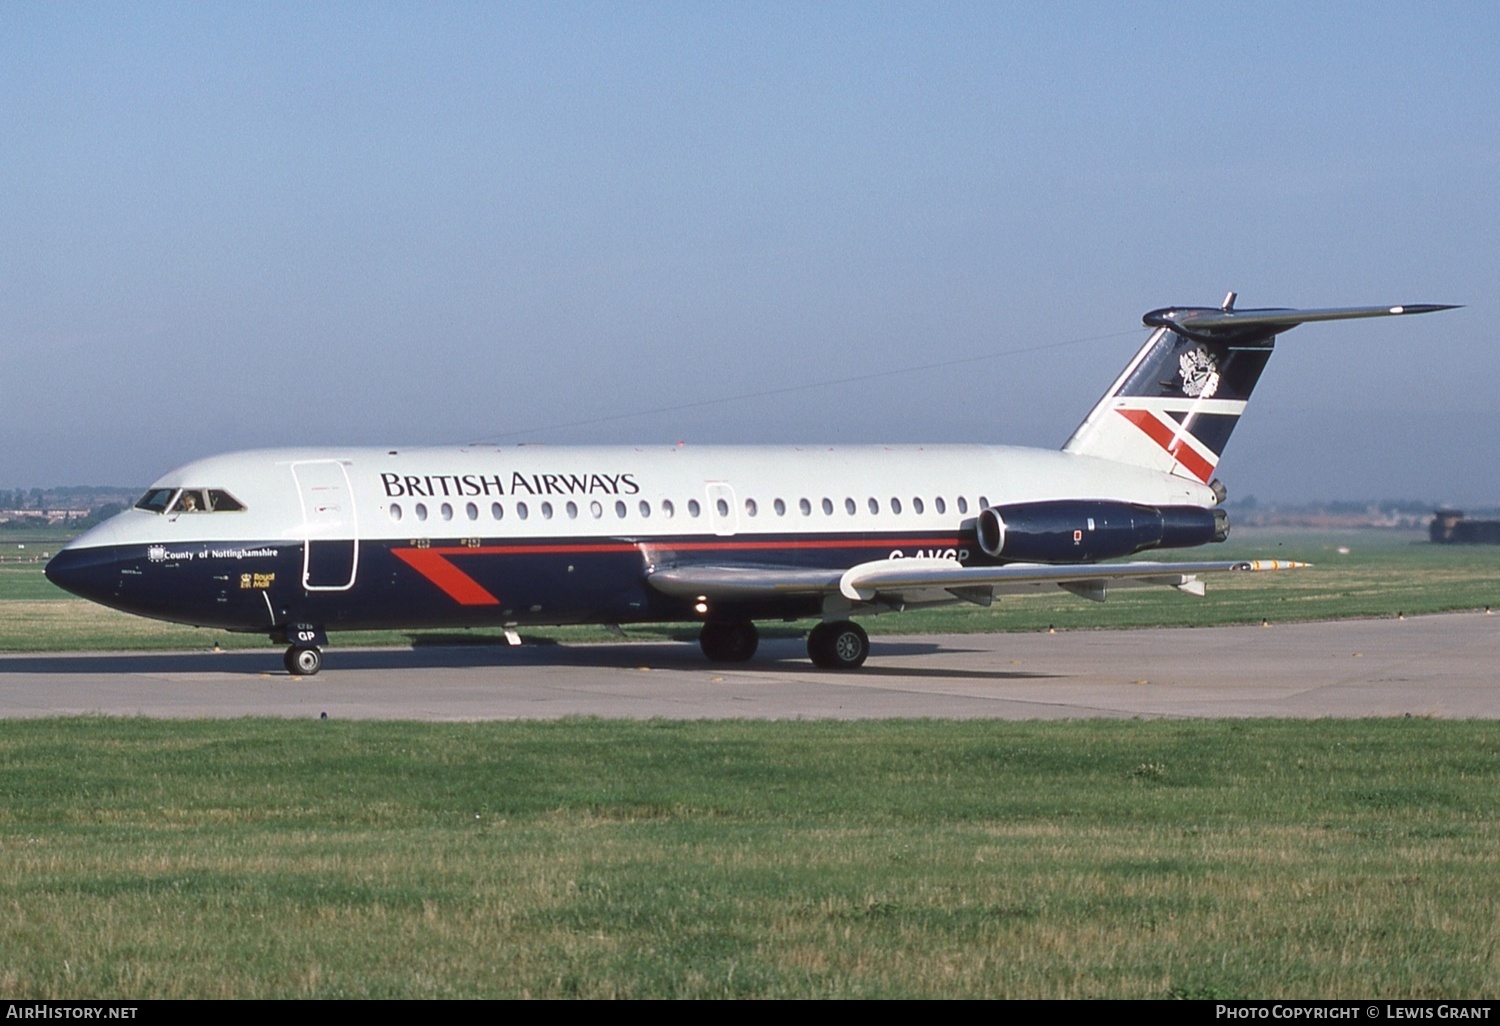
1228 304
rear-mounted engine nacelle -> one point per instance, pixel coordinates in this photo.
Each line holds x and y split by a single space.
1081 531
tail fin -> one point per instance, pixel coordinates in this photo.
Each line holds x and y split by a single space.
1174 406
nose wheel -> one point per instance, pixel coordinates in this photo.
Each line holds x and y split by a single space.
304 657
302 660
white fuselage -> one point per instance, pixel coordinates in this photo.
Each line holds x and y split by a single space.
640 492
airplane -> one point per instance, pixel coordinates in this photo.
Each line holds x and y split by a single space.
293 543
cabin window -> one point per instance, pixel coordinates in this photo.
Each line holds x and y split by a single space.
497 511
471 511
827 507
572 508
645 508
940 505
546 511
963 504
750 507
895 505
874 505
447 511
395 511
849 507
722 507
916 505
805 507
421 511
667 509
522 511
620 510
596 509
693 508
780 508
984 503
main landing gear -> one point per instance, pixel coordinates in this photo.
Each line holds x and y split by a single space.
838 645
729 641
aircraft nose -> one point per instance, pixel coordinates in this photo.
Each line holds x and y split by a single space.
90 573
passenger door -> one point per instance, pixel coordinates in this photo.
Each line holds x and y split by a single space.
330 553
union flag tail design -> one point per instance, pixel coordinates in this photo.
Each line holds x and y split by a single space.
1175 405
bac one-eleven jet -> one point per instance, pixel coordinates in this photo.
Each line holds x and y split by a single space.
293 543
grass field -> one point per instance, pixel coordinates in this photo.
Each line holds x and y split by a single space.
1382 574
606 859
1208 859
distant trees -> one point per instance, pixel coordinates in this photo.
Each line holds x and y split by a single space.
98 515
71 497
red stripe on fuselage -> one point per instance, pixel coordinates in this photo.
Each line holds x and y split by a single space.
434 564
1169 440
644 544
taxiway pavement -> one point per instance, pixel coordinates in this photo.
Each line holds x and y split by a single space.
1441 666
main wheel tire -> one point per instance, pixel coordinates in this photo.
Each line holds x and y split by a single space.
729 641
302 661
841 645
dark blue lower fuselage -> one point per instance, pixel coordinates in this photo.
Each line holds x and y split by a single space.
460 582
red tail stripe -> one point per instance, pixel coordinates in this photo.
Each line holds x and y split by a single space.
1169 440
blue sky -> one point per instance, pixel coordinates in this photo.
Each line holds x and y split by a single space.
237 225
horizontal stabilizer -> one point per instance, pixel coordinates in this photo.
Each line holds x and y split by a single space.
1194 319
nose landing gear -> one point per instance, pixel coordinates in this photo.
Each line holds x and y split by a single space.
302 661
304 656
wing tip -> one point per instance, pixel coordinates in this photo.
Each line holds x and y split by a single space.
1421 308
1255 565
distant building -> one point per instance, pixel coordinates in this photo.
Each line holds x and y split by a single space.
42 516
1449 527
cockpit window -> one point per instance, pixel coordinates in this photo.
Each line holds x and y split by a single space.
156 500
189 500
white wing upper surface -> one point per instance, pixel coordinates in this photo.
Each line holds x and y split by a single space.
911 581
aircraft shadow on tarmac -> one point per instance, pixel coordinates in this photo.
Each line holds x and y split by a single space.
777 655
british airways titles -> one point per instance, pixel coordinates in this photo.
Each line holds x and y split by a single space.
432 486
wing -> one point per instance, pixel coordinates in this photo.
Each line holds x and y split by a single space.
910 582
